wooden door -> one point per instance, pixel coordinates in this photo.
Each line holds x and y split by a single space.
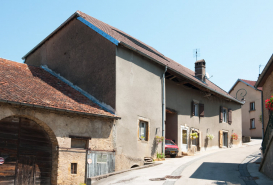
25 171
27 151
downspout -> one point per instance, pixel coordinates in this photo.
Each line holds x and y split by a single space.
163 110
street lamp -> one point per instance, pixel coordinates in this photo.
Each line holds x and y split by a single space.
243 94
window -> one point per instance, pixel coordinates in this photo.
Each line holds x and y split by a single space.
78 143
252 123
195 141
101 158
143 130
197 109
74 168
252 106
225 115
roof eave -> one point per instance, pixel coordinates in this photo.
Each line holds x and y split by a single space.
269 63
57 109
143 54
76 14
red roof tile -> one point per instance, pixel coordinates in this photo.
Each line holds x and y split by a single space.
151 52
252 83
33 85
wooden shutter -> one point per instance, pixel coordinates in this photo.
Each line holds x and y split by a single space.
221 114
192 108
229 116
201 110
147 131
220 138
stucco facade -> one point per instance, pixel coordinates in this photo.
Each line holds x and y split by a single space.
179 99
267 93
252 95
59 126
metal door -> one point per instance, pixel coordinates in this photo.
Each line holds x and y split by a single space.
184 138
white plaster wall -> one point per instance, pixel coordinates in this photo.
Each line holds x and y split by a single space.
138 94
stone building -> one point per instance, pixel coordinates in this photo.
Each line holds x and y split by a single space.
265 81
132 78
47 126
252 109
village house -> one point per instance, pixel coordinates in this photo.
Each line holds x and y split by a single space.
48 128
265 81
151 93
252 109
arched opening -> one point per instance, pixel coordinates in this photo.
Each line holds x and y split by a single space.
134 166
27 150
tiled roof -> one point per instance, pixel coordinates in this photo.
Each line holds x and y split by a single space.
252 83
33 85
151 52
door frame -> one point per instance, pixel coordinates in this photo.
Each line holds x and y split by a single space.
188 130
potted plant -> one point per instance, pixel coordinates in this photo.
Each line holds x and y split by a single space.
210 136
234 136
194 135
269 104
142 138
159 139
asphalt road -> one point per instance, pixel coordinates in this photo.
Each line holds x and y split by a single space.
211 167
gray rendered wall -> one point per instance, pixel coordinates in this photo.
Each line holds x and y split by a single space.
138 96
83 57
179 98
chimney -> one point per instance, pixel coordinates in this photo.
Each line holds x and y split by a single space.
200 70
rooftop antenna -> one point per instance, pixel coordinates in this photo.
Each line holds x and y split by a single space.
259 68
196 53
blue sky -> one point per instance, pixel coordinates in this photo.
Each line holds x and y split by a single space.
234 37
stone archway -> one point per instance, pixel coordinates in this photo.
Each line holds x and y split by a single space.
29 148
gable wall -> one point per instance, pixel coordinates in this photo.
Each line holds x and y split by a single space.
138 96
179 98
83 57
251 96
267 93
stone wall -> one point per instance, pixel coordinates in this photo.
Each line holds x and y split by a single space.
266 165
267 92
59 126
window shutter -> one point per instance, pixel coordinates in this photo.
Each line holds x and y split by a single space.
250 106
192 108
199 137
201 110
220 138
221 114
229 116
146 132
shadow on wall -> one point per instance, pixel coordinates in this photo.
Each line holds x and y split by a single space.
225 172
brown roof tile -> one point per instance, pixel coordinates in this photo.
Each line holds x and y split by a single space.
33 85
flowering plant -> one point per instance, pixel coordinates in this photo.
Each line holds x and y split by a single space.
194 135
210 136
269 103
159 139
234 136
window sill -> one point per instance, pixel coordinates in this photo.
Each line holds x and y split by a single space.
143 141
252 128
252 110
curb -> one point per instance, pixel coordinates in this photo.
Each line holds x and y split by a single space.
99 177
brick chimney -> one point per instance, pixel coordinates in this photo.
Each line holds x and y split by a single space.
200 70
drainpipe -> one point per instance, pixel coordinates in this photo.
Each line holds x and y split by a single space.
163 110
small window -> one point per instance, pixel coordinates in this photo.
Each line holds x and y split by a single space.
74 168
252 123
252 106
101 158
196 109
79 143
225 115
143 130
195 141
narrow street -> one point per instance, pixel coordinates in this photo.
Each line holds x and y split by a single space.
223 166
